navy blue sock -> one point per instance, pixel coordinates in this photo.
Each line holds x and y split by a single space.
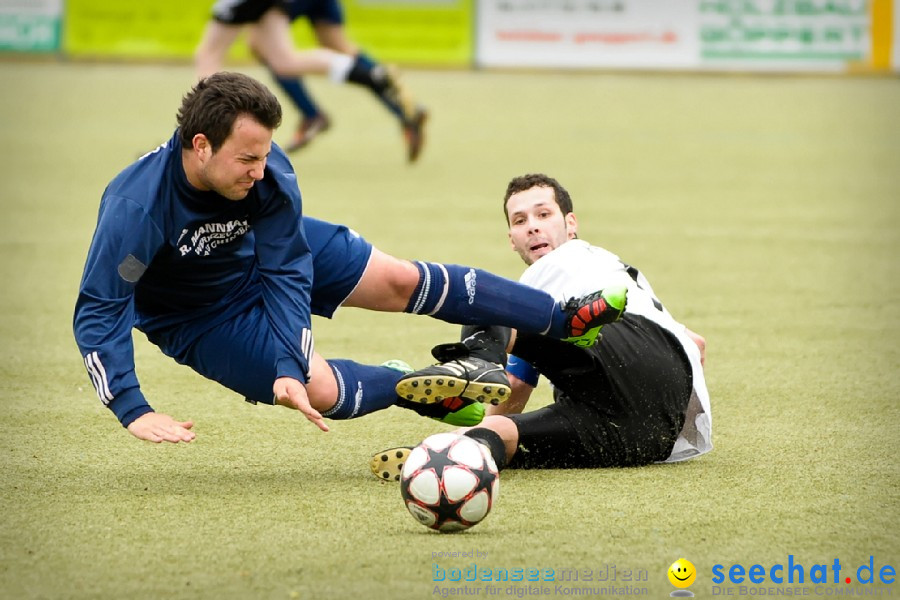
362 389
368 63
296 90
468 296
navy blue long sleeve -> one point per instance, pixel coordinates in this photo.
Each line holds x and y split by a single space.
165 254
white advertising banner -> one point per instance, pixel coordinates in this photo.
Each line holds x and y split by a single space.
587 33
766 35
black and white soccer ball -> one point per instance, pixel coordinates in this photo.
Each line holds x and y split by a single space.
449 482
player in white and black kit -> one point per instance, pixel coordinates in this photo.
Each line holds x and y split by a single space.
636 397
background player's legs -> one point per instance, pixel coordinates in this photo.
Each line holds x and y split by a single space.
271 40
228 20
299 95
313 121
329 31
209 55
332 34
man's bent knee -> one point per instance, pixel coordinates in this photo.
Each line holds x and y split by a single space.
387 284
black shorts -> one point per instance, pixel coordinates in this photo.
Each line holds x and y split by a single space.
241 12
619 403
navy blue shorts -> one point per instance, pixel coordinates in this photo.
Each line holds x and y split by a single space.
244 12
340 256
239 353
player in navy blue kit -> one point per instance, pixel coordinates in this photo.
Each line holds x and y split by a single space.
202 245
270 39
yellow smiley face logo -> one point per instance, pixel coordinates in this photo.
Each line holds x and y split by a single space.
682 573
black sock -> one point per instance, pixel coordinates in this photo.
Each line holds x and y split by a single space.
368 73
487 343
373 76
493 441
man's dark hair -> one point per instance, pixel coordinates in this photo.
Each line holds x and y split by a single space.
526 182
215 103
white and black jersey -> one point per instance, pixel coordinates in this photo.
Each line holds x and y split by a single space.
639 395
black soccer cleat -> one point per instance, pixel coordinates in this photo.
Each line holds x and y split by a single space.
414 133
413 116
388 464
588 314
471 378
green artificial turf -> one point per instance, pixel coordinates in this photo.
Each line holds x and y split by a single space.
764 210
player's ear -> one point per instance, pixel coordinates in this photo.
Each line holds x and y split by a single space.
512 244
202 146
571 226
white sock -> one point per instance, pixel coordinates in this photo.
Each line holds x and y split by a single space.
340 68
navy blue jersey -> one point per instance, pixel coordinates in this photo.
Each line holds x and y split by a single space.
165 254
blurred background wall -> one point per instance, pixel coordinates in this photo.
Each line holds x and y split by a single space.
700 35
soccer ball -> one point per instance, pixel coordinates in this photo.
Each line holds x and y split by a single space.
449 482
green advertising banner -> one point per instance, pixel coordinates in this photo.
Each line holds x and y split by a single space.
30 25
422 32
